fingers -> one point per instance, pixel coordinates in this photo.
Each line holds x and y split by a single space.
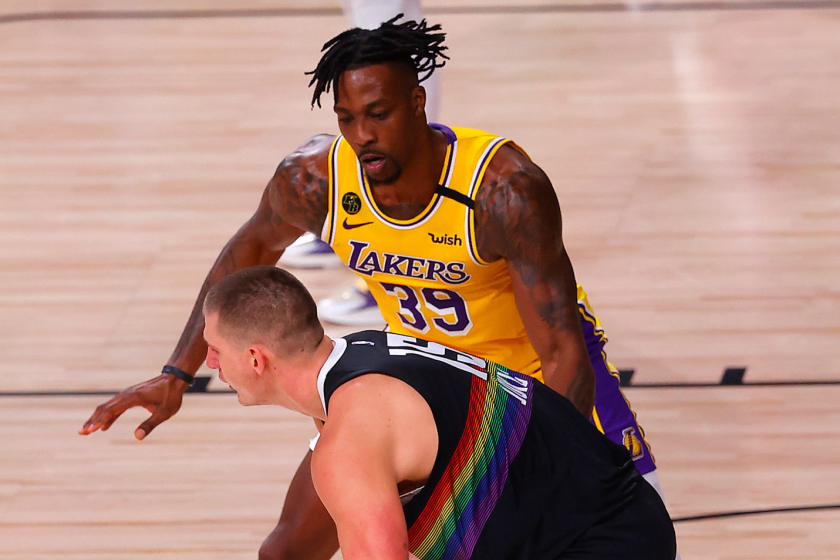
146 427
105 414
155 395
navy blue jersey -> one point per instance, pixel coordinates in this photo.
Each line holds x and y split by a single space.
520 473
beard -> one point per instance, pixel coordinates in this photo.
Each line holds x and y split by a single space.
389 172
389 179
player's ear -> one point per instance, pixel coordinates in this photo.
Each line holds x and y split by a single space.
257 357
418 101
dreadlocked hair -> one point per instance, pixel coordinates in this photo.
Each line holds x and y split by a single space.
416 44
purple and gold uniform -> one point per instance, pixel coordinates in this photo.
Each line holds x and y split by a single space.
429 280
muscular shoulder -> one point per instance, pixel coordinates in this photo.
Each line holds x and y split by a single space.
361 400
300 187
516 207
380 416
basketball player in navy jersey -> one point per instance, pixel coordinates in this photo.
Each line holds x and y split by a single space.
427 452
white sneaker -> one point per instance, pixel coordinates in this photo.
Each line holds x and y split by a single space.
308 251
354 306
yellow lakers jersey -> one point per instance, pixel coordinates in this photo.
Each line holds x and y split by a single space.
425 273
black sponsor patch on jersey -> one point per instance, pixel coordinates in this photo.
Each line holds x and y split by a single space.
351 203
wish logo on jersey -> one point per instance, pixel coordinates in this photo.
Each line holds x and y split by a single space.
367 262
446 239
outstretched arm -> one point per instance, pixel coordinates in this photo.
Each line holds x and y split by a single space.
518 219
295 200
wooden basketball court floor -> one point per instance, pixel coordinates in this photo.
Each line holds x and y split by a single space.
696 155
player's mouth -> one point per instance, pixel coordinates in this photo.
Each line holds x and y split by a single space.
373 163
223 380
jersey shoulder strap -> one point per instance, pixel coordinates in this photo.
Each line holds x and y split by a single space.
328 229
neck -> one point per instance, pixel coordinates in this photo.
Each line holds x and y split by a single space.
411 193
301 386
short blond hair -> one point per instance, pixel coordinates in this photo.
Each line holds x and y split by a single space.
265 304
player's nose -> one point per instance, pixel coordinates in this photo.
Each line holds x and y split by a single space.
212 359
365 133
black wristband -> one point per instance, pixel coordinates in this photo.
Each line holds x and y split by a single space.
179 373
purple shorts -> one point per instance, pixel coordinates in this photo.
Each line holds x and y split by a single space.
612 414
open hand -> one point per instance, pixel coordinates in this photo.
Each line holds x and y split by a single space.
161 396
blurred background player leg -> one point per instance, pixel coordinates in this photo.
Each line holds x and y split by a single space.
310 252
354 305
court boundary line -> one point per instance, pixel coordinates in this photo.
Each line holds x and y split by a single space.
184 522
749 512
601 7
652 385
97 393
696 384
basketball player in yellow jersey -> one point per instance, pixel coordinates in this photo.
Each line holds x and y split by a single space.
426 273
457 231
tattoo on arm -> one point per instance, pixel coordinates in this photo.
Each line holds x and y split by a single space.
301 196
581 391
518 219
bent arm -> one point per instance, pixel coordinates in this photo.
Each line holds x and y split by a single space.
294 201
261 240
369 446
356 481
518 219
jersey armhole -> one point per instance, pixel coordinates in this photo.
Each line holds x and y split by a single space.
475 183
328 229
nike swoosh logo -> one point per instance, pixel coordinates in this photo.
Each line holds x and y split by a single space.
354 226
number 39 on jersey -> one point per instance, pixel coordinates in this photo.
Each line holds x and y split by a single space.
449 310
